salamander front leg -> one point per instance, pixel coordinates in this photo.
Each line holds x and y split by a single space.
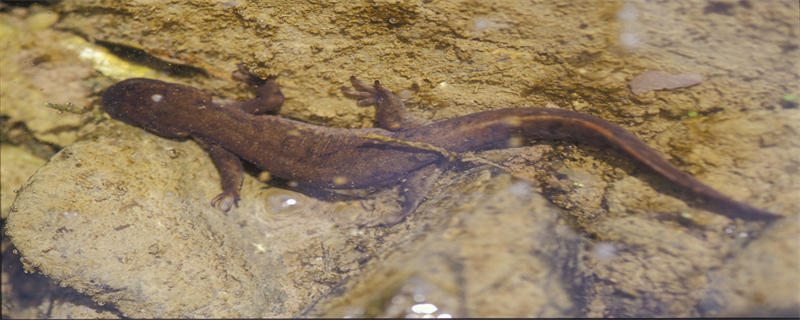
230 173
392 114
416 186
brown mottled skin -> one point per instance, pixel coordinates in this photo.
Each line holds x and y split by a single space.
343 159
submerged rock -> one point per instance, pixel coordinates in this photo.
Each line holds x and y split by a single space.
16 166
501 250
123 216
110 218
759 281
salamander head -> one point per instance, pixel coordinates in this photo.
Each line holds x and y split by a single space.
163 108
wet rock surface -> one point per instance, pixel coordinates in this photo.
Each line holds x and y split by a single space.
143 234
757 281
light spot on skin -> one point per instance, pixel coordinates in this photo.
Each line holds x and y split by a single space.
264 176
294 133
516 142
157 98
339 181
512 121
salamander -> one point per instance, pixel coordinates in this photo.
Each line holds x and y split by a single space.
333 158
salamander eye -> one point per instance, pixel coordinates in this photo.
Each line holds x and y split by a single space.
157 98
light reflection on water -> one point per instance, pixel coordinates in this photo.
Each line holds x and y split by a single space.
418 298
277 205
424 308
280 207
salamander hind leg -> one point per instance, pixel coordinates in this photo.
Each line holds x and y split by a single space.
416 186
392 114
269 97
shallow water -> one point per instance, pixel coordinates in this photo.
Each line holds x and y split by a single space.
618 242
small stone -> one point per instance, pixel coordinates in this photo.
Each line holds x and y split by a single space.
657 80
